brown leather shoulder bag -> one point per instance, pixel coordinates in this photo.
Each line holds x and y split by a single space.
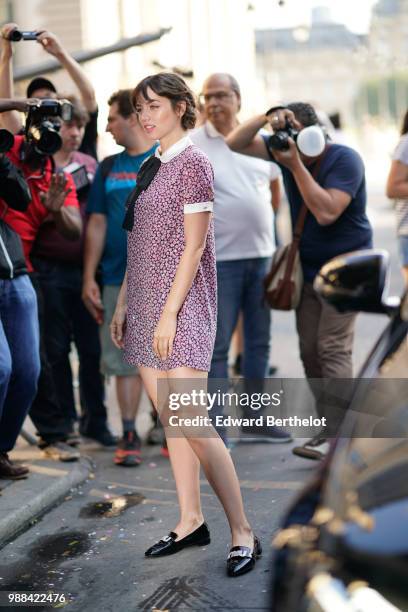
283 284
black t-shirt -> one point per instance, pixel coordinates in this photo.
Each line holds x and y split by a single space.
341 168
90 138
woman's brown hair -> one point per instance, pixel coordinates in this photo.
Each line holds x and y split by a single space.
173 87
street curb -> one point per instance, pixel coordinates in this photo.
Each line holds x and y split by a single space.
21 518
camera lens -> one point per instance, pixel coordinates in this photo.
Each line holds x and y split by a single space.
311 141
44 138
15 35
49 143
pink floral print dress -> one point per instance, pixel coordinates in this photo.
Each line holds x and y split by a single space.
182 185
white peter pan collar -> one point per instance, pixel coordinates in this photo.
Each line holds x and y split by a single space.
174 150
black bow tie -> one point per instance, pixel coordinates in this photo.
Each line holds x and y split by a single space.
145 176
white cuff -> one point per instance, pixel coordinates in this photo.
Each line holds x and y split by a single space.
198 207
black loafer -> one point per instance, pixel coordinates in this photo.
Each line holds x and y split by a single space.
169 546
242 559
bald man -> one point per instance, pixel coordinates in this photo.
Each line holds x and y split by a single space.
244 243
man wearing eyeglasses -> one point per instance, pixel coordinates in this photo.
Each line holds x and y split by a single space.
243 239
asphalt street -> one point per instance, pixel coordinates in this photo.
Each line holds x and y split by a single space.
90 547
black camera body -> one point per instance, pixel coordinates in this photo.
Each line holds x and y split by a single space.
16 35
42 126
43 123
279 141
79 175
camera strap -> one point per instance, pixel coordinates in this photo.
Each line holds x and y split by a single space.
300 221
26 155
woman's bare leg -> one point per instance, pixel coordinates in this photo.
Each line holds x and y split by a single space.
186 454
217 465
184 463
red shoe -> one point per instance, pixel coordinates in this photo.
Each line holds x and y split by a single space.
164 451
128 450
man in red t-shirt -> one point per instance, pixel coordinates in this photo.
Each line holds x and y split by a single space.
53 196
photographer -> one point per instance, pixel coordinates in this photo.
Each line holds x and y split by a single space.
53 196
336 222
40 87
19 336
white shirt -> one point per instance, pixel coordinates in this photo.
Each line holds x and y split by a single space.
243 212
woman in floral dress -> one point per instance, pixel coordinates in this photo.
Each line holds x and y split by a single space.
166 313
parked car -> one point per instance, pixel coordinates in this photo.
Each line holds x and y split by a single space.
343 546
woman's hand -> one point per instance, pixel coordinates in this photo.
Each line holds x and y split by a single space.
118 326
164 334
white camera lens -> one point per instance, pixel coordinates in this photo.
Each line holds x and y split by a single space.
311 141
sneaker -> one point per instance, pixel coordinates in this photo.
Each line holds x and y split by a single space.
316 448
73 438
10 471
264 433
61 451
128 450
104 437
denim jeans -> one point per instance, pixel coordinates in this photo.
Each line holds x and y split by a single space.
240 288
19 356
67 319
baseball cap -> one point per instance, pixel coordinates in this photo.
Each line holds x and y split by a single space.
39 83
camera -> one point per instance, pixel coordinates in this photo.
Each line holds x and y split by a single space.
43 123
279 140
311 140
16 35
79 175
42 126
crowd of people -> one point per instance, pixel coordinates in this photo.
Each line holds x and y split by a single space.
168 294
